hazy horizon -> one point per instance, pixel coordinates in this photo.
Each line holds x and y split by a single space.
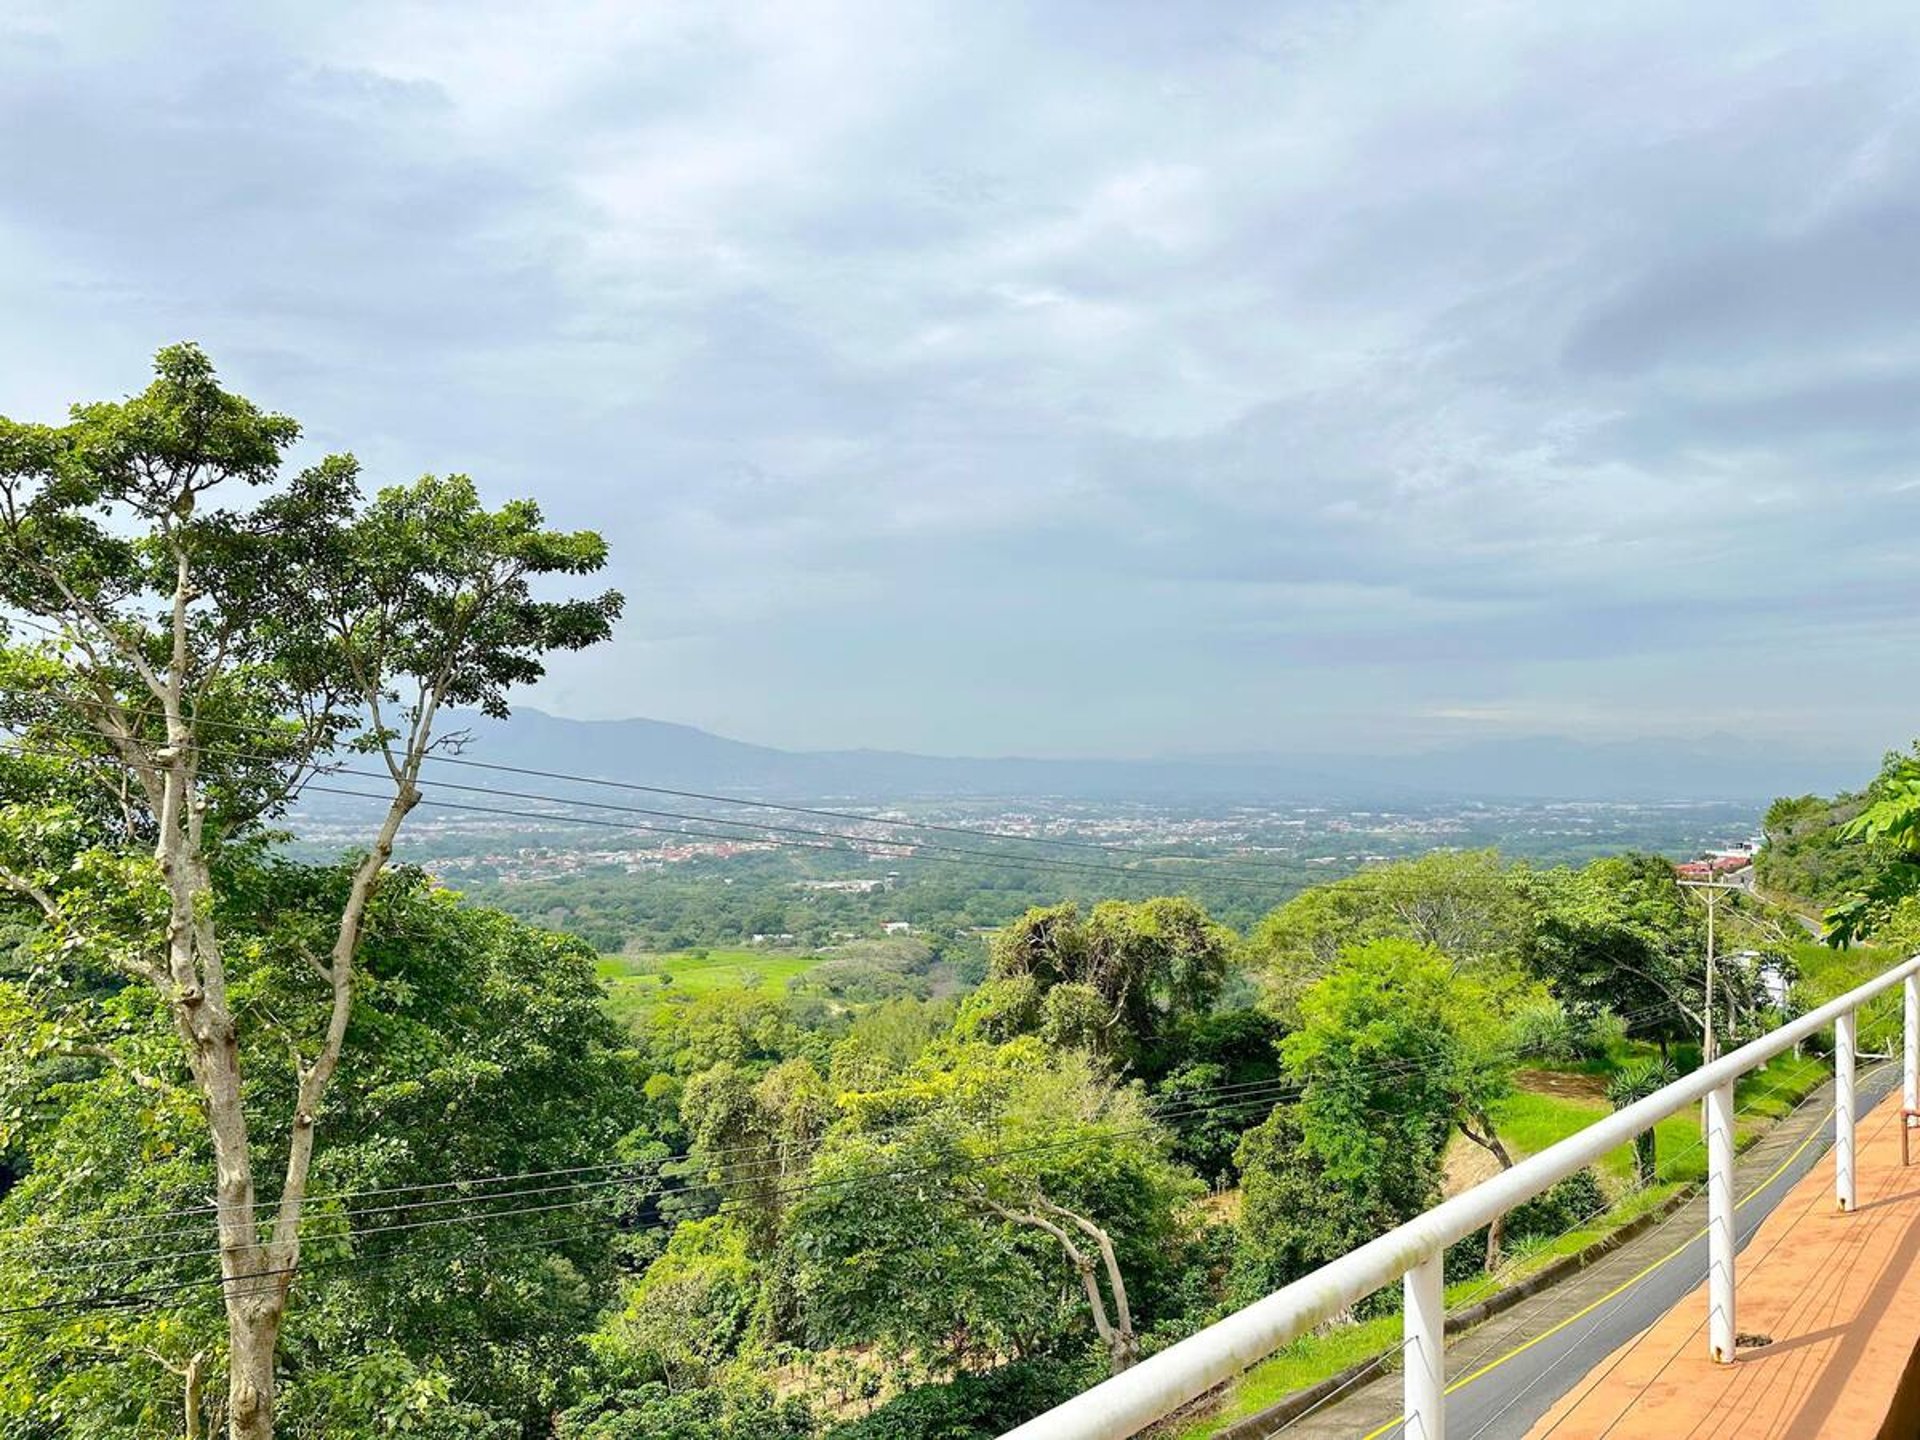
1862 760
651 751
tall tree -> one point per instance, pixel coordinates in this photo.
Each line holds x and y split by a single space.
1395 1050
1882 842
1469 905
1620 933
1111 980
959 1191
199 658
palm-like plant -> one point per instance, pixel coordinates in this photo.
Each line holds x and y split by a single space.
1634 1083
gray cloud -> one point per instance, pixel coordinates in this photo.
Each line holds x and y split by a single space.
1084 377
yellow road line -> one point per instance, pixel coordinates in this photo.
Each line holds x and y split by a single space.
1623 1286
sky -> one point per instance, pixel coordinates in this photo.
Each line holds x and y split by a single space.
1064 378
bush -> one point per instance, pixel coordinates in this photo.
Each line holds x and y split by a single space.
686 1316
1546 1032
652 1412
1571 1203
1551 1033
971 1407
1600 1033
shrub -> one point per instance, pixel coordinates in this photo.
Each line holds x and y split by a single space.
971 1407
1551 1033
652 1412
1546 1032
1600 1033
1568 1205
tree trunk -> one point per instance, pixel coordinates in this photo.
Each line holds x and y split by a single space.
1116 1333
196 1400
1123 1348
253 1338
1646 1160
1488 1139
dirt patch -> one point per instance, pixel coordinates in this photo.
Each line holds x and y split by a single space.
1466 1165
1562 1084
1220 1205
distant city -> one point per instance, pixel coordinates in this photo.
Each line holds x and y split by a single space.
563 840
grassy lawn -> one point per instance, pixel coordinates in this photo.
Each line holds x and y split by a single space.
635 987
1827 974
1529 1122
1297 1366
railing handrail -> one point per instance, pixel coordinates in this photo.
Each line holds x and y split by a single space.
1161 1384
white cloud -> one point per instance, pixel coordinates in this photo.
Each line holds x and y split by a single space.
1444 364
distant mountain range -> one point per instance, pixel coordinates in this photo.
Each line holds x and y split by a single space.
654 752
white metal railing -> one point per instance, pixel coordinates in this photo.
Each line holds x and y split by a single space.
1156 1387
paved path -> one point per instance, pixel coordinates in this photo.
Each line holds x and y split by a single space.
1512 1369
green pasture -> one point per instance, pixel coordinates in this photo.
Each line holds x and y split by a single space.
636 984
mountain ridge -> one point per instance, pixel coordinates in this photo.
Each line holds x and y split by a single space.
672 754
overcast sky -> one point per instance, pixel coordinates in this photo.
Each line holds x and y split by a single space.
1062 378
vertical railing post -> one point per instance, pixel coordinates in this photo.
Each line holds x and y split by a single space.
1846 1038
1720 1218
1910 1068
1425 1349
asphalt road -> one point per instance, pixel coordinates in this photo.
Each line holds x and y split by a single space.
1504 1402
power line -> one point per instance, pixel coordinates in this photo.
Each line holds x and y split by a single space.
1178 1112
987 1159
1298 877
1172 1110
822 840
853 844
975 832
1219 1095
856 843
736 800
1275 1090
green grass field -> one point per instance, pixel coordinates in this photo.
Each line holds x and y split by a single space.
635 987
1530 1121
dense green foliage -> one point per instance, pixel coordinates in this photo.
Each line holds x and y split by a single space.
1855 857
1808 855
873 1211
1469 905
481 1048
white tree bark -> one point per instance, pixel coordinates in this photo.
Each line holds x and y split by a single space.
1115 1332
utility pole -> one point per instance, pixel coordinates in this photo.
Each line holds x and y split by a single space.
1711 890
1706 1050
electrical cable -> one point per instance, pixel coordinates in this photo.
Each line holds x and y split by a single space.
1275 1090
